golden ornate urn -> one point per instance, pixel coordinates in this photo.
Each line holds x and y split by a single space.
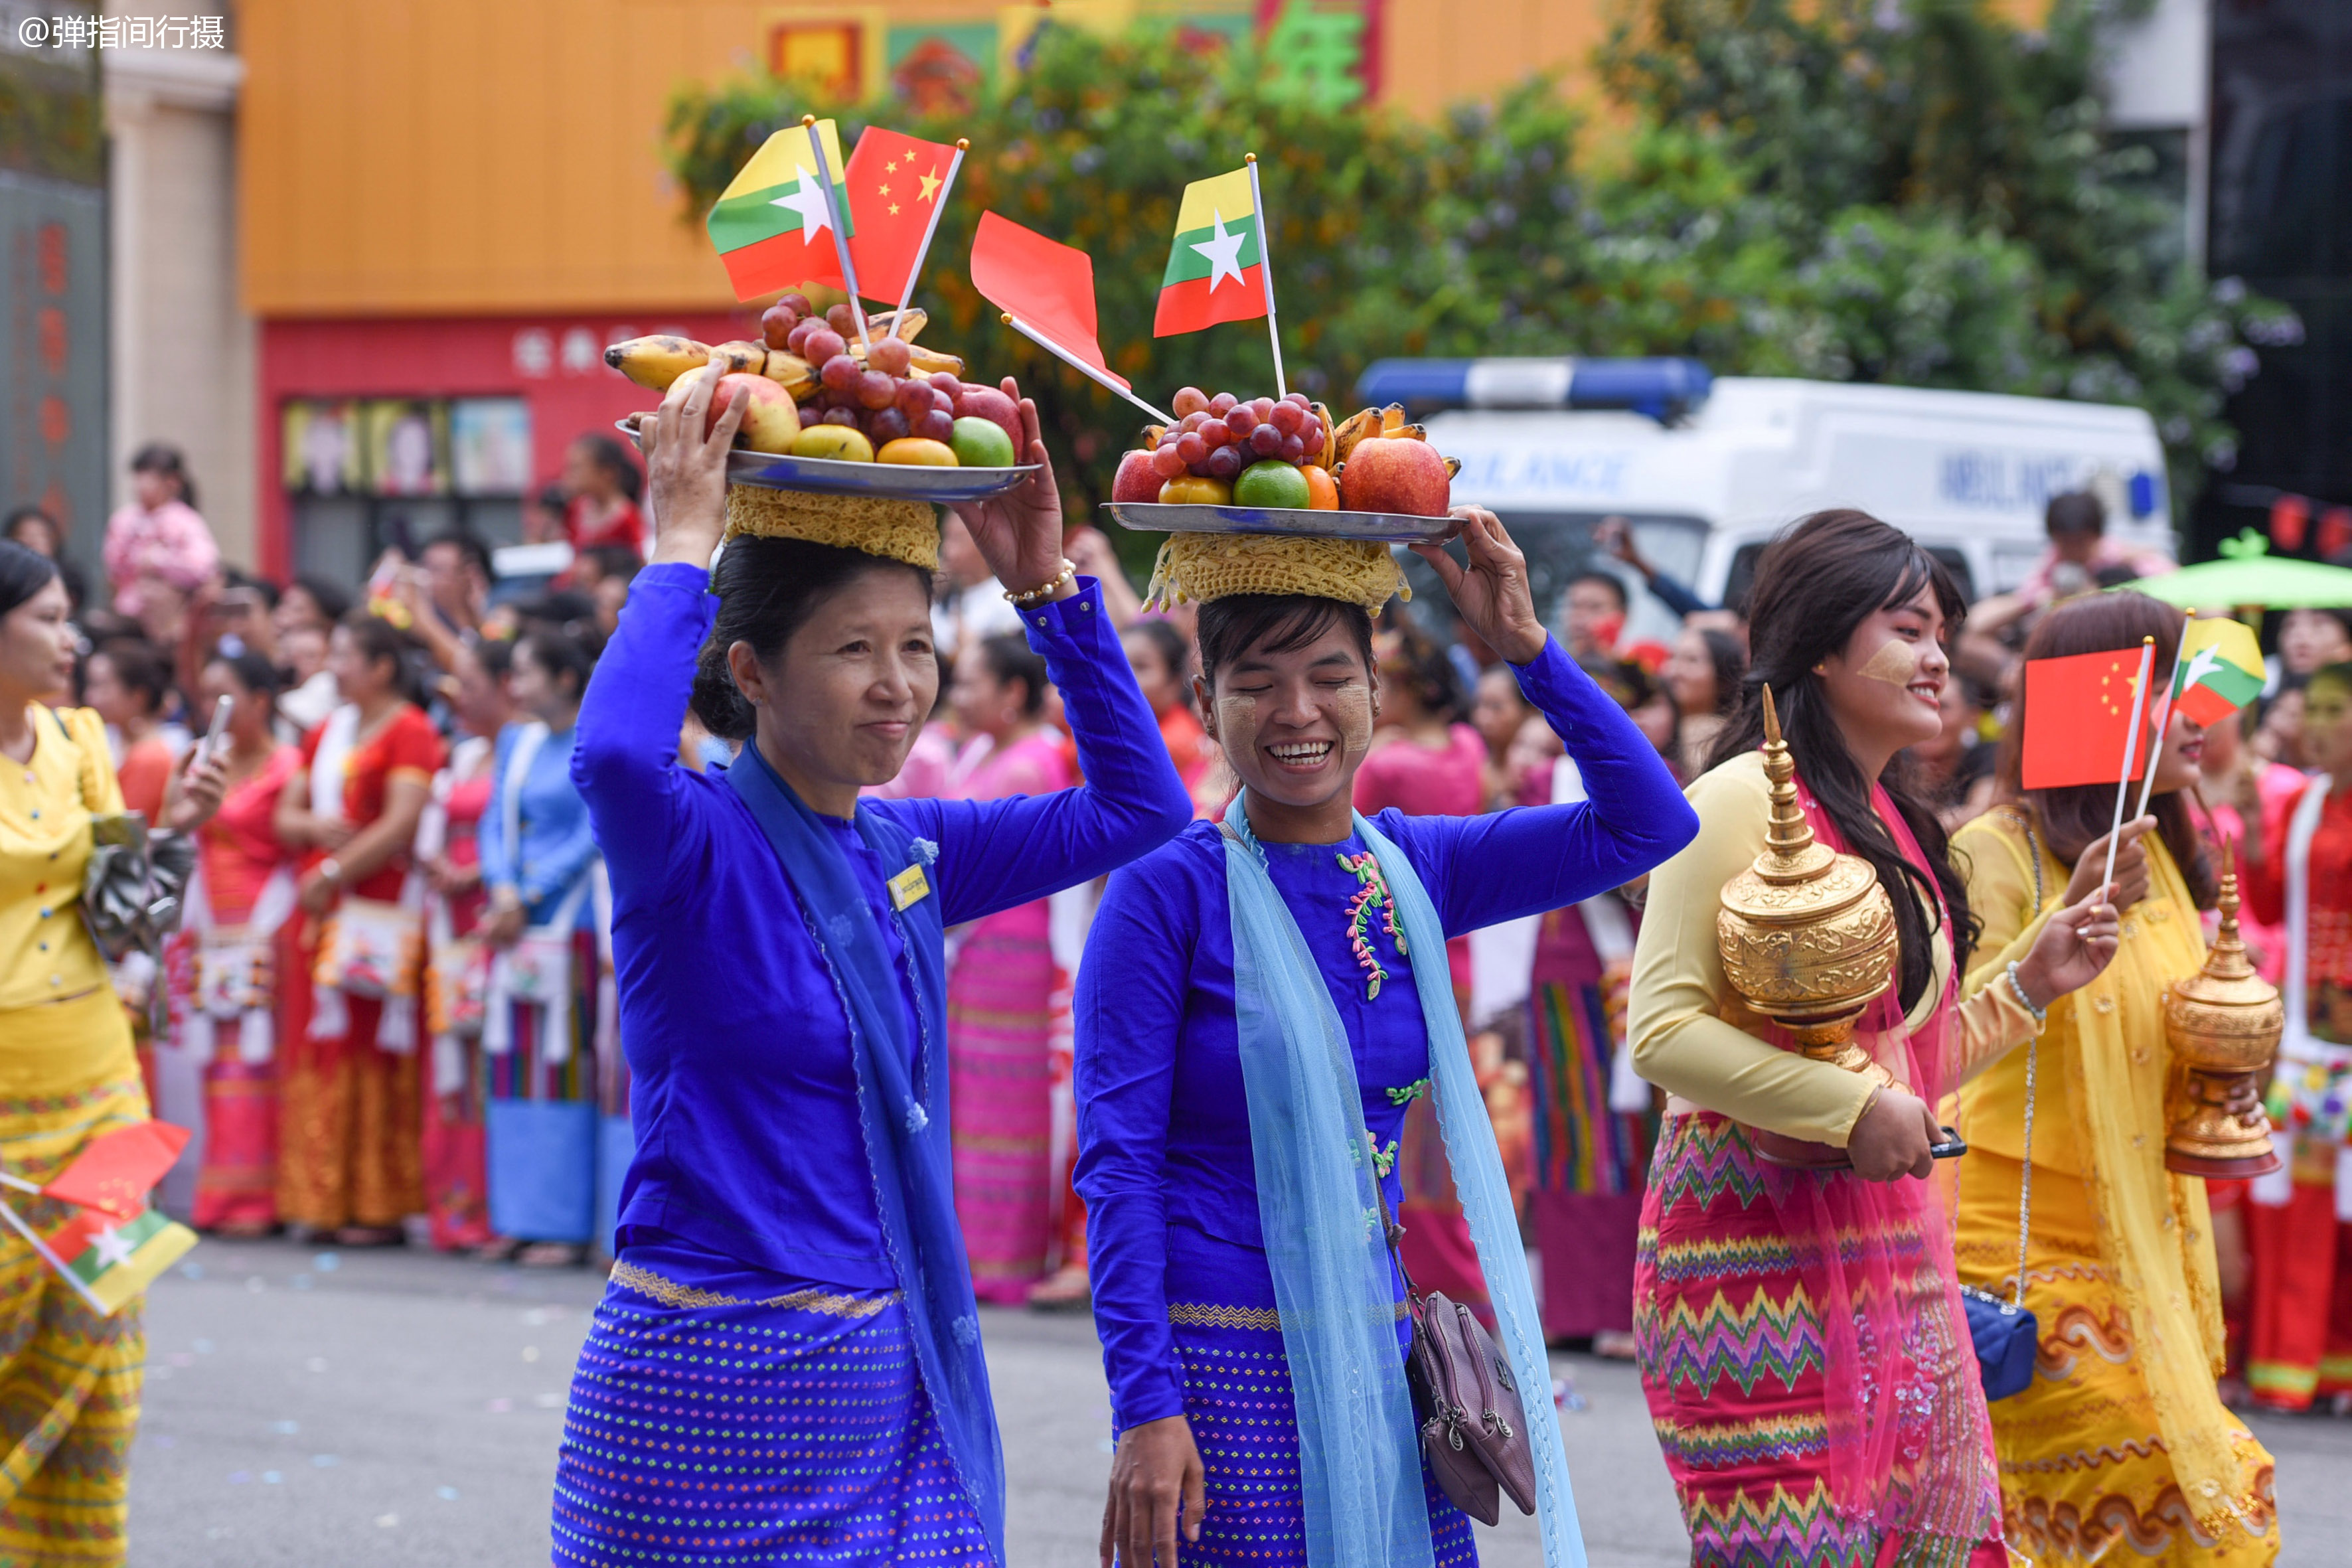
2224 1023
1808 940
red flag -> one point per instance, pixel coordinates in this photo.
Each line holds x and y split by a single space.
114 1173
895 183
2077 717
1049 286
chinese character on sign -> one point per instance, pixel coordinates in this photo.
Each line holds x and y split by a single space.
534 351
50 247
1324 52
581 353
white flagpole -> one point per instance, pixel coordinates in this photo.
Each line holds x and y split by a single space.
1266 274
832 211
2131 750
939 201
2163 720
1081 366
17 1223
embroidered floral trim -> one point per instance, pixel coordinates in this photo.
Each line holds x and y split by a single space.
1384 1159
1409 1093
1371 893
670 1294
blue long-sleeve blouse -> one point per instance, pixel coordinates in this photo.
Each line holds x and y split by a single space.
556 841
743 1093
1163 1124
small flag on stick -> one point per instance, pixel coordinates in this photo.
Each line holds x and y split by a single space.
115 1172
773 223
112 1246
1047 291
1216 266
2078 718
2220 670
896 185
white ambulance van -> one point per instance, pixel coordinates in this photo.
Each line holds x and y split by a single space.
1706 470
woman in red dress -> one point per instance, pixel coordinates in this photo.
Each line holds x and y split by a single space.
236 943
348 1158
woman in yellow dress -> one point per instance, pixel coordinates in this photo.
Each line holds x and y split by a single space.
68 1378
2120 1449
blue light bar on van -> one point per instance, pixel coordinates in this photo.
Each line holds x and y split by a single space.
1661 388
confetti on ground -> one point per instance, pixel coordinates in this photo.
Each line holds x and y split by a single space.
530 1352
386 1521
500 1406
301 1281
204 1347
548 1401
286 1428
324 1461
181 1358
536 1317
239 1478
162 1441
257 1284
271 1477
327 1262
447 1494
316 1364
1564 1395
191 1270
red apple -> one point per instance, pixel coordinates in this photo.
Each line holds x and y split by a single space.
1137 479
770 419
1396 474
976 402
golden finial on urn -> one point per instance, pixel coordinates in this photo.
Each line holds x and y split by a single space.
1808 940
2224 1023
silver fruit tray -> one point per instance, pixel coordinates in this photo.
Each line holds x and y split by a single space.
1387 527
839 476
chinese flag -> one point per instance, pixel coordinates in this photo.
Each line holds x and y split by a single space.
115 1172
896 184
2077 717
1049 286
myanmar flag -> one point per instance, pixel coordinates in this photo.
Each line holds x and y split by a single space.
110 1260
771 225
2221 670
1216 269
2077 717
896 183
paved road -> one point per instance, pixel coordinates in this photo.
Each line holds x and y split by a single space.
310 1408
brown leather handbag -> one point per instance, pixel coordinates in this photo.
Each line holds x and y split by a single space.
1474 1424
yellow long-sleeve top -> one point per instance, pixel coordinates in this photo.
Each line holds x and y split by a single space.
1694 1037
45 804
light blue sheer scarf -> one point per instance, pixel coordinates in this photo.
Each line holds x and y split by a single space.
1359 1454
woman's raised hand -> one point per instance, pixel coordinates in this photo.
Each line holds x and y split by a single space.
2131 883
1492 593
2076 944
1019 531
685 464
1154 1472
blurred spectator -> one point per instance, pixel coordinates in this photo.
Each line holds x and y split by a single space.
1497 709
1615 535
1702 675
2230 772
128 683
1592 615
600 486
2310 639
1652 709
1162 662
158 538
35 530
310 602
2278 734
542 517
457 567
1957 770
605 574
237 619
970 605
2079 551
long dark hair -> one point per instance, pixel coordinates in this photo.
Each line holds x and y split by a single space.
1278 623
24 572
1173 650
567 653
768 589
1422 664
1730 662
1009 658
2074 816
1819 580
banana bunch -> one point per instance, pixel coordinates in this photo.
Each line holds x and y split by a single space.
661 358
1363 424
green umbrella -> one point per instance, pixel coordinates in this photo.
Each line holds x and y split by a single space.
2248 574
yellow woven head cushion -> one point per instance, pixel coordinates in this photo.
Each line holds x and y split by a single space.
886 526
1205 566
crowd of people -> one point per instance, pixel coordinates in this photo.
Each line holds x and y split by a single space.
458 970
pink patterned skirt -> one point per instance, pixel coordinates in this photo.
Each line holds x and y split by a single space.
999 1088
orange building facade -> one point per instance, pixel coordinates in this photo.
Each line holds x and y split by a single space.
444 205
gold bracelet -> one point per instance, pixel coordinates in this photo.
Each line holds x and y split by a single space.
1046 590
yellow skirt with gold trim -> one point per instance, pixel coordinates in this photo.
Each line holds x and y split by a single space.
2085 1477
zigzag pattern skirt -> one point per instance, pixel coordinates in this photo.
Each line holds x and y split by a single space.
740 1419
1237 1398
1732 1357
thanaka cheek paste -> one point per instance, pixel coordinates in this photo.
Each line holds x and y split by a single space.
1237 724
1894 663
1351 707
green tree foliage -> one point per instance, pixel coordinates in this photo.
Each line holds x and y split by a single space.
1802 189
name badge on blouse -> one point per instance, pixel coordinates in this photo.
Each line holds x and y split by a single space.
908 886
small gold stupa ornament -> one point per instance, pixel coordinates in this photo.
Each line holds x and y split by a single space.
1808 940
2224 1023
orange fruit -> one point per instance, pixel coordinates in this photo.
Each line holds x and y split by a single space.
1322 489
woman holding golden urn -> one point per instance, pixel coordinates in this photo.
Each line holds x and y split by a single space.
2118 1445
1797 992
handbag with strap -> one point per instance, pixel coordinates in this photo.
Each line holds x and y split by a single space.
2007 1336
1472 1422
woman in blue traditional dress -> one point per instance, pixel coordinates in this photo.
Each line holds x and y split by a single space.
1232 1118
786 1366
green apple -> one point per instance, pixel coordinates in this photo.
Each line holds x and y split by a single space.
982 443
1271 483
